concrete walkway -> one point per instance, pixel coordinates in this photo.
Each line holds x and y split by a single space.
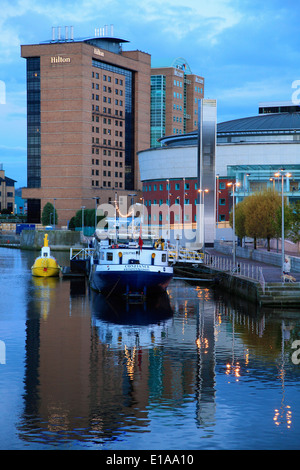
270 272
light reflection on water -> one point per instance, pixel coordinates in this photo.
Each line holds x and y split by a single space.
191 370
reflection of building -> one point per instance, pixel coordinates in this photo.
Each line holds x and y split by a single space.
175 92
88 113
92 372
7 191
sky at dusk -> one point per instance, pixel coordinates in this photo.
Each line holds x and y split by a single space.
247 51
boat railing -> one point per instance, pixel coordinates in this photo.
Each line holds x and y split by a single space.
80 253
184 255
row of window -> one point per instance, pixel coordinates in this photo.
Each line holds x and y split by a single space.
96 140
108 173
105 110
149 202
222 202
168 187
95 161
107 78
107 131
107 89
107 184
107 99
95 150
96 118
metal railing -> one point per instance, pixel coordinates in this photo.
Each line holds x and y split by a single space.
80 253
184 255
247 270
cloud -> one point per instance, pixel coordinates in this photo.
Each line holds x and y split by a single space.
209 19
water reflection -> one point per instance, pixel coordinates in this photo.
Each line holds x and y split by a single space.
199 368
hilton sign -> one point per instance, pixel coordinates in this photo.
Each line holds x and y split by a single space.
60 60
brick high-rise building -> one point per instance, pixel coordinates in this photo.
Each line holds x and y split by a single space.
175 92
88 113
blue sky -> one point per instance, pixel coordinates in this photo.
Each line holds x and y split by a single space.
247 51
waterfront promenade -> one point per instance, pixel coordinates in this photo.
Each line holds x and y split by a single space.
271 273
254 279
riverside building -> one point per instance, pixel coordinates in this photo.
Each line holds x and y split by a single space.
88 114
175 92
251 151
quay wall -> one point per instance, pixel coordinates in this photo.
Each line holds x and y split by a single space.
59 240
275 295
248 289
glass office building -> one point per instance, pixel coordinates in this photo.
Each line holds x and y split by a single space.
175 92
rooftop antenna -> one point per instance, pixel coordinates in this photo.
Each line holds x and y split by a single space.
72 33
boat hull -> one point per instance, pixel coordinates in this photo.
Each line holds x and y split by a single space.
130 279
45 267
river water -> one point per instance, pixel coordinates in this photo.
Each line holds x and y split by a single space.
194 369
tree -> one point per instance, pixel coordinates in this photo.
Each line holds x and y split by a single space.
88 218
261 212
48 214
294 232
257 216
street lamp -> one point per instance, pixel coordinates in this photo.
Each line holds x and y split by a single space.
82 219
169 194
287 175
132 213
96 202
179 209
54 213
217 194
233 220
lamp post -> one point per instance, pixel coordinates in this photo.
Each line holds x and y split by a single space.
132 213
169 225
82 218
233 220
287 175
54 213
96 202
217 194
179 209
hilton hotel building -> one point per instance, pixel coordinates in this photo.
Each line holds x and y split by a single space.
88 114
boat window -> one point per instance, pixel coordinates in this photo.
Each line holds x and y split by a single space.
109 256
164 257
